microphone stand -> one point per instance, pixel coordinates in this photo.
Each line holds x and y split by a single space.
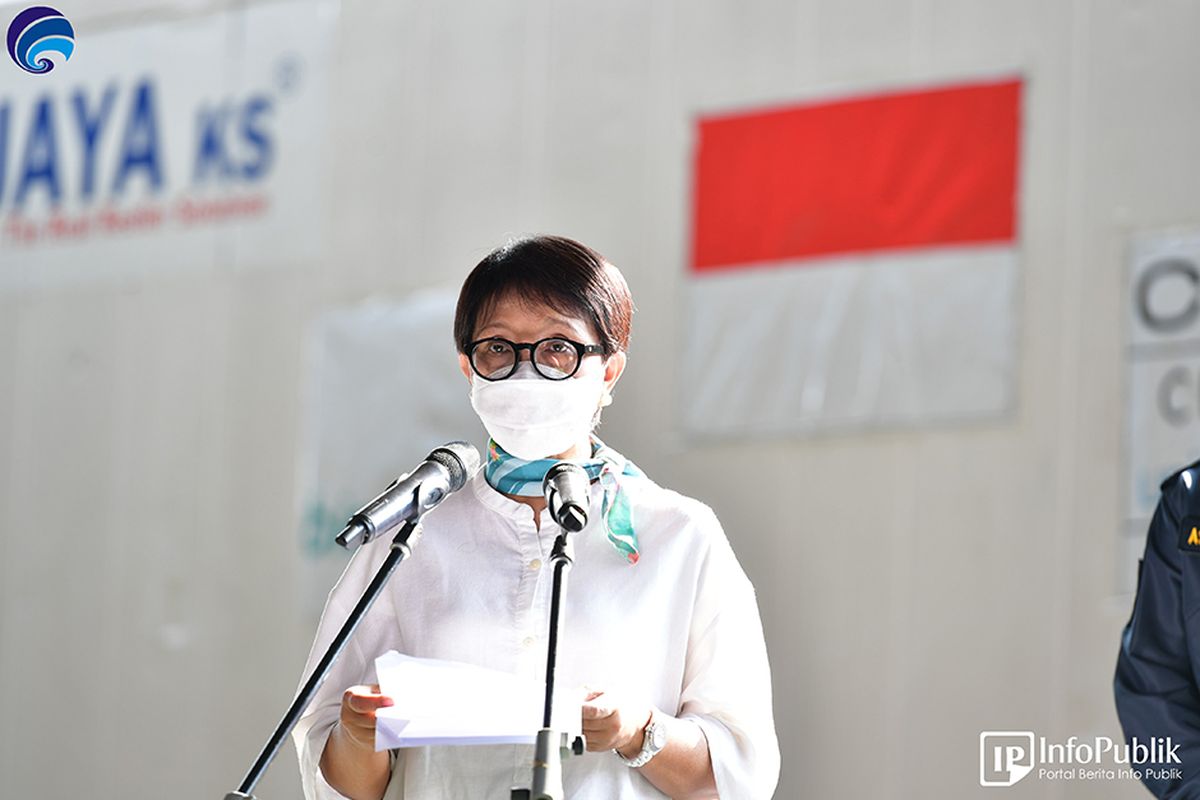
551 746
401 548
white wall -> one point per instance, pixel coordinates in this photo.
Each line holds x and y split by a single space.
917 586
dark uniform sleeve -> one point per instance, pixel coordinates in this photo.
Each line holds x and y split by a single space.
1156 692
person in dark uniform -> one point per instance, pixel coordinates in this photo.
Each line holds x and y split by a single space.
1158 667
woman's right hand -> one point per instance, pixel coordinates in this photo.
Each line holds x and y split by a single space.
359 704
349 762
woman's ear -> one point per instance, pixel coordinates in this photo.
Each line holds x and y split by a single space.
612 373
464 364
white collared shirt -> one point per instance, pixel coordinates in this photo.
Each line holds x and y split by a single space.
679 630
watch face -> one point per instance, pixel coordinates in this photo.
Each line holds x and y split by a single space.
658 737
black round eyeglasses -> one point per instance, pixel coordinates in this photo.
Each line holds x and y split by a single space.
495 358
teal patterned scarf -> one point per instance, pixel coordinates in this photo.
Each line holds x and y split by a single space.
511 475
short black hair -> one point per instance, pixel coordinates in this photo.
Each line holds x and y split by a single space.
553 271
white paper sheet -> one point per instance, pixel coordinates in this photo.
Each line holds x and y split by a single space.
452 703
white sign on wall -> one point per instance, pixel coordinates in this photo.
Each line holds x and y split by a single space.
383 388
1163 371
189 143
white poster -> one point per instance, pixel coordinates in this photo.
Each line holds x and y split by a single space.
383 390
184 144
1163 369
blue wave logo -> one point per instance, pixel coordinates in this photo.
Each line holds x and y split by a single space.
37 32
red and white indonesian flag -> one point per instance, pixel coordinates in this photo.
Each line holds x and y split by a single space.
853 262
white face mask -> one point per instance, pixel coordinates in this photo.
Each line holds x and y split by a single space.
533 417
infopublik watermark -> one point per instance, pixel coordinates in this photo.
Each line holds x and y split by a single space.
1006 757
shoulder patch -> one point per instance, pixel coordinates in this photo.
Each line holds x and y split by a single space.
1175 475
1189 534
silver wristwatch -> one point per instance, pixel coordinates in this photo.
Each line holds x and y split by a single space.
654 740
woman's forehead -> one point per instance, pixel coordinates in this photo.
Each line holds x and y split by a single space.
521 317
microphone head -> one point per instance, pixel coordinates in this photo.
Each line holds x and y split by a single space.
569 479
559 470
460 459
572 518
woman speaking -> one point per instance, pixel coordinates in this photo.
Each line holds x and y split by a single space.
660 622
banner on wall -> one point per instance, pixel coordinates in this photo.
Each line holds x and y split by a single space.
854 262
190 143
383 389
1163 378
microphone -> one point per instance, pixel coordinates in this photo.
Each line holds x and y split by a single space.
568 490
443 471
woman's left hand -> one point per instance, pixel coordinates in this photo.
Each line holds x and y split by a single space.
611 723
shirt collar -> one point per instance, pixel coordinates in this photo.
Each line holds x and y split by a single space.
504 505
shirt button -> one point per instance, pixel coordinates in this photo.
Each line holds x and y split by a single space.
528 641
536 564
